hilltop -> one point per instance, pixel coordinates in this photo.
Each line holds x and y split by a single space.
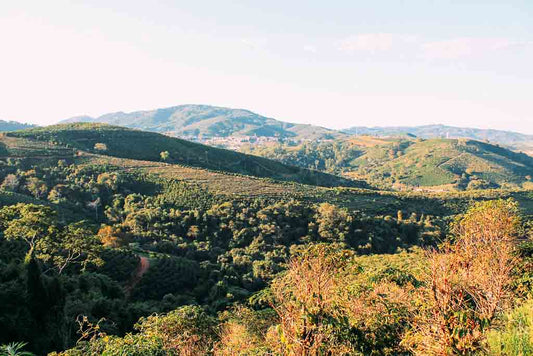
514 140
438 164
205 122
140 145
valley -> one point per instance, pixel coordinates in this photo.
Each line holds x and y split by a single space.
112 232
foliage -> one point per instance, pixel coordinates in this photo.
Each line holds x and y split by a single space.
185 331
14 349
121 240
514 334
409 164
469 281
141 145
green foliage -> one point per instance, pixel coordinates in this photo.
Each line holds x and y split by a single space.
164 155
165 276
125 143
29 222
514 336
401 163
204 238
14 349
185 331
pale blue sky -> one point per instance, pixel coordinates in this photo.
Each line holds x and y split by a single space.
330 63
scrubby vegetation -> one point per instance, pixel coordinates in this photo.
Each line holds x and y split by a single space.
108 255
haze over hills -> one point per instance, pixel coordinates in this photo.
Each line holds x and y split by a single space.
204 121
13 125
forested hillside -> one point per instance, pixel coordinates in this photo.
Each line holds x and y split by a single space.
141 145
437 164
206 121
108 255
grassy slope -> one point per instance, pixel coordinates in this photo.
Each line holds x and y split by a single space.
126 143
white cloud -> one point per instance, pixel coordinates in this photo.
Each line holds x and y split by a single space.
374 42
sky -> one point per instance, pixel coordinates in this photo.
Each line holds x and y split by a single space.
335 63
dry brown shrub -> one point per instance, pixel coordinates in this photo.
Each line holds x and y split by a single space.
244 332
307 298
468 282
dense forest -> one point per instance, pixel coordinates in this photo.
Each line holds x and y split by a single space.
102 253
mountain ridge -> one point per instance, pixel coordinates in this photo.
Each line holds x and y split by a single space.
206 121
218 125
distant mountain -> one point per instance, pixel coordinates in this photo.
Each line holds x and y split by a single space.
513 140
148 146
13 126
227 127
204 121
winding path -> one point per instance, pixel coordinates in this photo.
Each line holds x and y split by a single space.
143 266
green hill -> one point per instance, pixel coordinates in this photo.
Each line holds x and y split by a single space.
441 164
127 143
27 153
204 121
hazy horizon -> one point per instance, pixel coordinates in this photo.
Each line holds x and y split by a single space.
336 64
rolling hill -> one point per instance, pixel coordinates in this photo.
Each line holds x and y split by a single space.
204 121
13 126
219 125
140 145
437 164
513 140
27 153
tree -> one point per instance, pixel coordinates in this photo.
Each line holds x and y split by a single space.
164 155
11 183
100 147
305 299
77 245
35 224
469 281
110 236
36 187
94 205
333 222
